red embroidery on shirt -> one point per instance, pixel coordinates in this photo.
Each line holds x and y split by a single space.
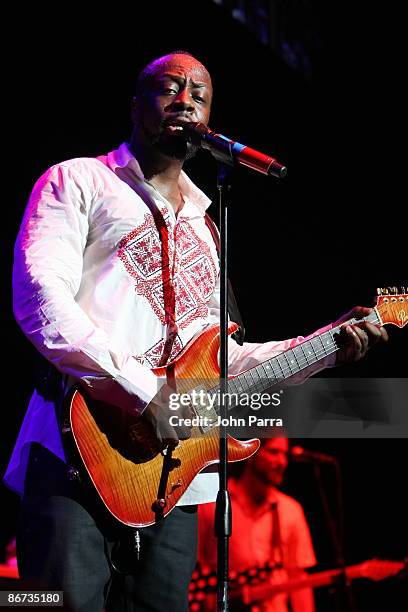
193 272
153 355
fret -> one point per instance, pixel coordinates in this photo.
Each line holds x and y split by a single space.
284 364
233 385
267 368
308 353
279 365
256 375
327 341
292 362
268 375
270 369
240 383
312 347
318 347
299 359
248 380
255 386
275 368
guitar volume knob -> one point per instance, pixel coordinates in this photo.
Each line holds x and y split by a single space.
159 504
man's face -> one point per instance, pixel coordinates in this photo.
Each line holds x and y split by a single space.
271 461
178 90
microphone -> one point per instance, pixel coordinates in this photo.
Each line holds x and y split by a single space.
229 152
298 453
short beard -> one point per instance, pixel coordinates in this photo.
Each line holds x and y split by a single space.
266 479
176 147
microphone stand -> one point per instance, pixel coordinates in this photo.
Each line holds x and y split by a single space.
227 152
223 512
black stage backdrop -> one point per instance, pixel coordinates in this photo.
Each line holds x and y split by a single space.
302 251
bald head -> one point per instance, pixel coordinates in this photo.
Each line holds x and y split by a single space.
177 60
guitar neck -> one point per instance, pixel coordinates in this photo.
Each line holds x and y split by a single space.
294 360
260 592
244 590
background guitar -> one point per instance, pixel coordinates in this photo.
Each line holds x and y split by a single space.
253 585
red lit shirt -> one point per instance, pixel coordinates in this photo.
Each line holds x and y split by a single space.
88 290
250 544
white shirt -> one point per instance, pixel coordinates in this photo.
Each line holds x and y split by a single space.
250 544
88 291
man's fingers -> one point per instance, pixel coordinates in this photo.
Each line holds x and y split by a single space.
355 338
166 434
364 339
169 425
374 333
360 312
184 433
175 434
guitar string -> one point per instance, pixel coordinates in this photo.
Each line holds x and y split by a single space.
302 361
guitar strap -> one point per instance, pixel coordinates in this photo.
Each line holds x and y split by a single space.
233 309
276 542
169 296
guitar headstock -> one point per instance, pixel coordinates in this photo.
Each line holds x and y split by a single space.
392 305
378 569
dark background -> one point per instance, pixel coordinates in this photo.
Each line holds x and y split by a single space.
302 250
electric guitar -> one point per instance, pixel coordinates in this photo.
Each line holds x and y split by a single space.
252 585
138 484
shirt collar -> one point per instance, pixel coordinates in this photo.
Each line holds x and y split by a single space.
123 158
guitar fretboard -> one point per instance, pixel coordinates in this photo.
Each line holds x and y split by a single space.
294 360
285 365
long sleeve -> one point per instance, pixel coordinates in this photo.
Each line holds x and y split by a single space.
48 269
251 354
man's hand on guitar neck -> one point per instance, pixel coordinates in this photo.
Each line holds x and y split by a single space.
358 338
158 414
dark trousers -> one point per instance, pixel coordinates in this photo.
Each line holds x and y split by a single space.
68 541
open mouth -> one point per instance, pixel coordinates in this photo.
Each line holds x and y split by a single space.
173 127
